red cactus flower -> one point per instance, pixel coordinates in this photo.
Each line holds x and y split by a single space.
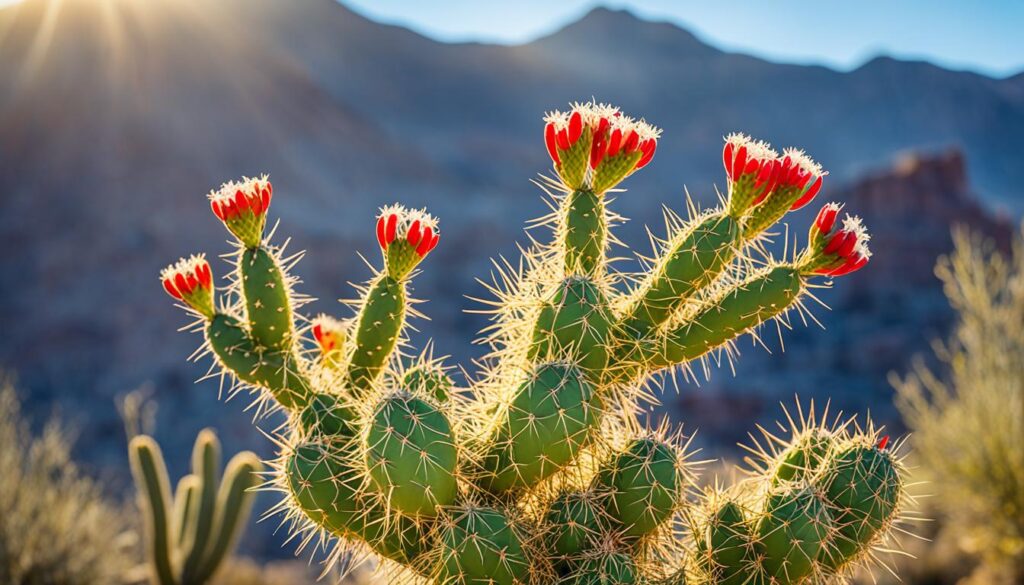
416 227
563 130
799 172
827 217
753 160
328 332
581 140
242 207
236 198
845 250
883 443
190 280
617 135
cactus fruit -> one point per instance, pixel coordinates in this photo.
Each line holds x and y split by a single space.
193 532
539 471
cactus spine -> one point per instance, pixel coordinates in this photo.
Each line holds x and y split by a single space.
193 532
539 471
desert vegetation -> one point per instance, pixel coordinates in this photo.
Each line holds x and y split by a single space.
539 469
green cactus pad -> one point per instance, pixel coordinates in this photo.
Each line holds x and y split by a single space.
267 303
724 546
734 313
548 422
862 491
327 416
575 522
377 330
802 459
411 455
791 532
429 380
690 263
276 371
605 569
480 546
328 487
586 232
575 321
643 484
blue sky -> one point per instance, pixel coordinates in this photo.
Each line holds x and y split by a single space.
985 36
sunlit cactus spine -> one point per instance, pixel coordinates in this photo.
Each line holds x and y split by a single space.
538 470
191 532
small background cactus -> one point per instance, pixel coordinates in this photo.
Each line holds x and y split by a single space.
190 533
539 470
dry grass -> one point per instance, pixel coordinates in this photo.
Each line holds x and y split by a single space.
55 525
968 420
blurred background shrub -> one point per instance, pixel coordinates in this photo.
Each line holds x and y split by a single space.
55 525
967 416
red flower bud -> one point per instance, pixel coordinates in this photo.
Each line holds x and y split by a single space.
883 443
575 127
550 142
845 250
752 167
242 207
827 217
190 280
614 143
647 147
416 228
808 195
562 139
328 332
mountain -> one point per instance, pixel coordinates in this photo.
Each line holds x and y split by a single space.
117 116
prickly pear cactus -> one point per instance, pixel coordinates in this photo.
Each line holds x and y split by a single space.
537 470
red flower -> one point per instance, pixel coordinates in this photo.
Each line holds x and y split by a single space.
883 443
415 227
190 280
581 140
798 172
840 251
242 207
750 164
328 332
235 199
618 135
559 134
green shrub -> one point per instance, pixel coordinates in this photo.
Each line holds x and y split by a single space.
968 418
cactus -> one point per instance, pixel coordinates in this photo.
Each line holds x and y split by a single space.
539 470
193 531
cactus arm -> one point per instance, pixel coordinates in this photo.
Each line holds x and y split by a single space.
185 498
584 233
205 465
411 455
276 371
234 502
548 422
693 259
734 313
150 473
577 323
643 485
267 302
377 331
